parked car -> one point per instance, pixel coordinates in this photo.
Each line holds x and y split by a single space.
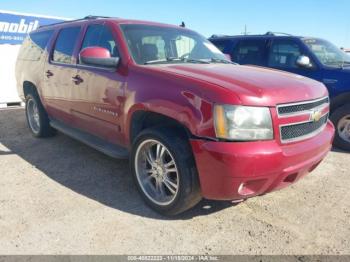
193 123
311 57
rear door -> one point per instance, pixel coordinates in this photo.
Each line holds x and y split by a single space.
59 72
99 96
250 52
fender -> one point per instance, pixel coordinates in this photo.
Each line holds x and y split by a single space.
188 101
195 115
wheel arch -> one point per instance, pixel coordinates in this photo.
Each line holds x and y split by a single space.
143 119
340 100
29 87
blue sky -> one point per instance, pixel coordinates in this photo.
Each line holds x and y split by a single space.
328 19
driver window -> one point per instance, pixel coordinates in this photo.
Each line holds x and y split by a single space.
284 54
101 36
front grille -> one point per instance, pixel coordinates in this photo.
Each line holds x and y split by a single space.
310 111
300 107
302 130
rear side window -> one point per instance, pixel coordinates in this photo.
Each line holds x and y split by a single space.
100 35
249 52
222 45
34 45
284 54
65 44
41 38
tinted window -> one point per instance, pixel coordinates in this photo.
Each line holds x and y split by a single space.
35 44
65 44
100 35
284 54
221 45
41 38
249 52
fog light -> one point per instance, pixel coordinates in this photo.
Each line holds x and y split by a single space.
251 187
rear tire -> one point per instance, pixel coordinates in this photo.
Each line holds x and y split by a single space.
37 118
341 120
164 170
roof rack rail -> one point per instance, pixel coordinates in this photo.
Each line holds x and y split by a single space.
217 36
277 33
76 20
95 17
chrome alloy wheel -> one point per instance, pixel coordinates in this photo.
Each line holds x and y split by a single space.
33 115
344 128
156 172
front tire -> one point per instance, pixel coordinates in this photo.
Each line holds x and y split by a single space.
341 120
164 170
37 118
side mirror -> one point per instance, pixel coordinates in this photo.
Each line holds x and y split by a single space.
304 61
228 56
98 56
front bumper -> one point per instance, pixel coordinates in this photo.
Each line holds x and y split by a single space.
239 170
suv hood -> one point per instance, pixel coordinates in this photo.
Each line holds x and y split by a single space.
253 85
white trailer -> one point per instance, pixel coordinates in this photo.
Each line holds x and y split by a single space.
14 27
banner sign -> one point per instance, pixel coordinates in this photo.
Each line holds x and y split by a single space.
14 27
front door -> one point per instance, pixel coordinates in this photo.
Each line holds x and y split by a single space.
98 93
283 55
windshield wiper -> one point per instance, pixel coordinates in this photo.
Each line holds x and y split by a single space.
195 61
339 64
159 61
224 61
175 59
346 63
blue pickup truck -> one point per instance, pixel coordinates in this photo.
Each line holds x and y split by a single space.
311 57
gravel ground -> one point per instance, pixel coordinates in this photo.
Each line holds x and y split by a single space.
58 196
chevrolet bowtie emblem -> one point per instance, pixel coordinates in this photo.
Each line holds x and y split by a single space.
315 116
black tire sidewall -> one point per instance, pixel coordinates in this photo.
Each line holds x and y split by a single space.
336 116
28 98
188 194
45 130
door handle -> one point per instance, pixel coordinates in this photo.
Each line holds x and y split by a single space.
49 74
77 79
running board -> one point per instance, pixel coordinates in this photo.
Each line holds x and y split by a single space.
95 142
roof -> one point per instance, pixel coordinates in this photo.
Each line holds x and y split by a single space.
267 35
114 19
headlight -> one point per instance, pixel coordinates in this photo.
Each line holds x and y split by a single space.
243 123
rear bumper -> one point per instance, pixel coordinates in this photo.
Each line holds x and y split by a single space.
239 170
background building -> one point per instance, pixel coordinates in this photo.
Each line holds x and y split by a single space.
14 27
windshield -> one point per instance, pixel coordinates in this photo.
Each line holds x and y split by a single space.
163 45
327 53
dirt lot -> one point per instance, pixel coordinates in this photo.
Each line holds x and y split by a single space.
58 196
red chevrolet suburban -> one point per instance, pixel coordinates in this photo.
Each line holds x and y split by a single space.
193 123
